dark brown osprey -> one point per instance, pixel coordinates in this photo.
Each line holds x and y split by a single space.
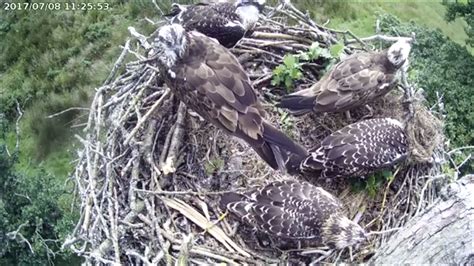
353 82
358 149
295 210
226 22
209 79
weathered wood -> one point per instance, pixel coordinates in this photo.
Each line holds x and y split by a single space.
441 234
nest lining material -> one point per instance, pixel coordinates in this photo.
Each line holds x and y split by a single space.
150 171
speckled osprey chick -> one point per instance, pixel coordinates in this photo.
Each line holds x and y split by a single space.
295 210
358 149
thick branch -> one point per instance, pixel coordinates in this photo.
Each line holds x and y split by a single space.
442 234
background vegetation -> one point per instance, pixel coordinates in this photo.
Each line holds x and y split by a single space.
51 61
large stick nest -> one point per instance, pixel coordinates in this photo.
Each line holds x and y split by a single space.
150 171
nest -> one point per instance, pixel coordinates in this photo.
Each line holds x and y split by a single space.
150 171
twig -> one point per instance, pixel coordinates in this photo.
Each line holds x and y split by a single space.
383 232
200 220
460 149
187 193
184 250
176 141
67 110
17 127
142 39
118 63
272 35
145 117
14 234
378 37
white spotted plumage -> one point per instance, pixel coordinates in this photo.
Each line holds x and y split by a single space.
358 149
295 210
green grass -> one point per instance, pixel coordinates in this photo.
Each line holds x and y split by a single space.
360 16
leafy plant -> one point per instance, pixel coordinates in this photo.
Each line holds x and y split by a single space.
213 166
373 183
288 72
286 121
463 10
336 50
314 52
35 216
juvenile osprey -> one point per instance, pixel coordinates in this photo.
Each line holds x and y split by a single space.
353 82
358 149
209 79
295 210
226 22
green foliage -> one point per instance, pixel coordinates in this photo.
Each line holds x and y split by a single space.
336 50
464 10
287 72
314 52
373 183
49 133
34 205
330 8
448 170
286 122
438 64
213 166
291 69
51 61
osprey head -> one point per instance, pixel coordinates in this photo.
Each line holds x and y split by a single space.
398 53
170 44
248 11
259 4
340 232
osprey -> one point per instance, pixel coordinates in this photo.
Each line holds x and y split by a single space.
353 82
209 80
226 22
358 149
295 210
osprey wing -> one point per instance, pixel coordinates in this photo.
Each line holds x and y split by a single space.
223 85
353 82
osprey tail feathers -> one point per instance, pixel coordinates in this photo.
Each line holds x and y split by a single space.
298 103
277 147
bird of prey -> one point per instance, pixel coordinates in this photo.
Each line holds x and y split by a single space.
358 149
295 210
226 22
209 80
357 80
